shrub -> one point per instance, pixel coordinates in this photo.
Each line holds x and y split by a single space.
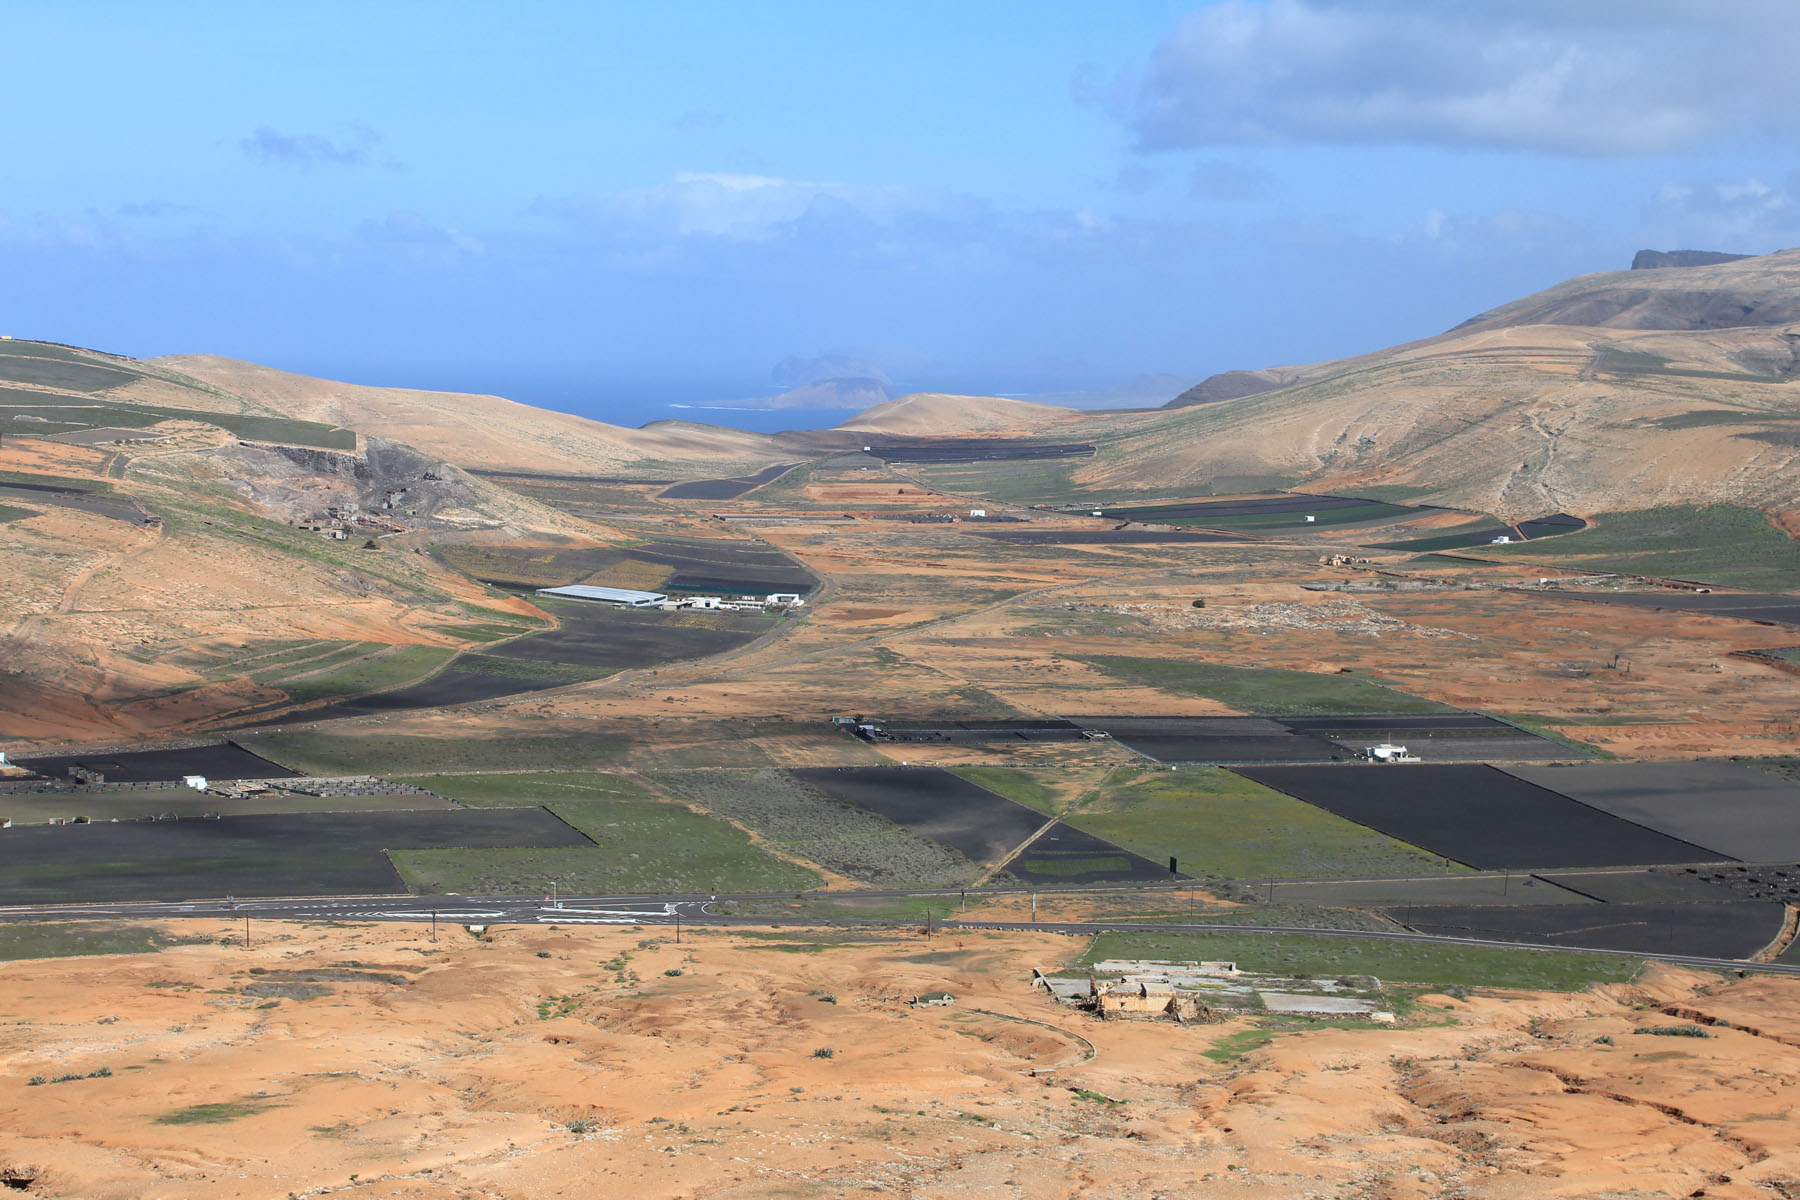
824 1052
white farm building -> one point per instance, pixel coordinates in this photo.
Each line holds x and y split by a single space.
622 597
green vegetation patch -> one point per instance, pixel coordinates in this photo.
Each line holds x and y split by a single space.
508 790
526 668
82 376
391 668
97 486
1019 481
1017 786
217 1113
643 846
70 371
1362 514
1074 867
10 512
1234 1046
1392 493
70 939
1265 690
1220 825
1717 543
1431 964
486 632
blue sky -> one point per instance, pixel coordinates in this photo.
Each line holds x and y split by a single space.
607 207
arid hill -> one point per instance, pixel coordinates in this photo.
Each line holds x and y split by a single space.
1614 391
927 413
478 431
1763 290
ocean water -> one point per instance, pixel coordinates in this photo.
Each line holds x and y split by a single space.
634 403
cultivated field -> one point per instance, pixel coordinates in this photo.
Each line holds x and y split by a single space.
282 854
806 822
1478 815
640 844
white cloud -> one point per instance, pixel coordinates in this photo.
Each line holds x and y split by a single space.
268 145
1747 215
752 208
1584 77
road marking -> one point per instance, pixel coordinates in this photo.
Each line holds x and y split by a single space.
589 920
441 915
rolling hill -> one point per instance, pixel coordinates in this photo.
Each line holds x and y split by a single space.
1622 390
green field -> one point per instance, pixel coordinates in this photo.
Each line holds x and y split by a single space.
645 845
1265 690
97 486
10 512
1422 963
1017 481
67 939
135 804
391 668
1222 826
538 787
140 416
1718 543
1014 785
546 674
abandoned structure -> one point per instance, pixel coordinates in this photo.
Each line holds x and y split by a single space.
1207 992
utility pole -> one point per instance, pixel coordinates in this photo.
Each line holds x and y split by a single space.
1034 908
246 931
434 924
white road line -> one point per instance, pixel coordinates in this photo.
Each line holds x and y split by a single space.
442 916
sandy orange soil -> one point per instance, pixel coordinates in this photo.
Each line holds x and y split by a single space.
584 1061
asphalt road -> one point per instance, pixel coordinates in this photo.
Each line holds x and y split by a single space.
694 911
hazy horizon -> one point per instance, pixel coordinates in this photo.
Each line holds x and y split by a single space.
609 210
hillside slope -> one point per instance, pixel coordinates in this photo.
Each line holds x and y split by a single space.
923 414
1763 290
471 430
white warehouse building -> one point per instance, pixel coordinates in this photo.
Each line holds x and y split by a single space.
622 597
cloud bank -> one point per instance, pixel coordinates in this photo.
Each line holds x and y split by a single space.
1590 78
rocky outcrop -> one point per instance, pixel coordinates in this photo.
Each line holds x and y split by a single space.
1232 385
1650 260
